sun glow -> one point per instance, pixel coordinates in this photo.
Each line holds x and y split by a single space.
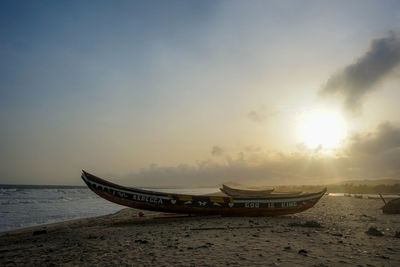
322 128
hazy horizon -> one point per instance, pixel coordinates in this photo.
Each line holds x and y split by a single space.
367 182
195 93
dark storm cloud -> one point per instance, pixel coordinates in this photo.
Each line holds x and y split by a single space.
377 154
386 138
357 79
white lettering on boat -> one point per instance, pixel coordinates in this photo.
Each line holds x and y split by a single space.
146 198
310 197
252 205
288 204
122 194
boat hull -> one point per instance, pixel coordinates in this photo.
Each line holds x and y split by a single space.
191 204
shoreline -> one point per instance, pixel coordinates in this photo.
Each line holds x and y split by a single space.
108 219
365 196
124 238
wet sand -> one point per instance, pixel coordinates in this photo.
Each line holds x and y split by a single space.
126 239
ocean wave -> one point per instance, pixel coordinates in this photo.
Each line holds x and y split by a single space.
16 201
3 190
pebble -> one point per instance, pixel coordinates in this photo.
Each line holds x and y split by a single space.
374 232
303 252
337 234
40 232
140 241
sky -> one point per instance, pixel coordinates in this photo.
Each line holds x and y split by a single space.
194 93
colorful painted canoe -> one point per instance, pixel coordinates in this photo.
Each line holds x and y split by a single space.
193 204
236 192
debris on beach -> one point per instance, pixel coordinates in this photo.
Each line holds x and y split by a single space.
313 224
392 207
39 232
374 232
303 252
140 241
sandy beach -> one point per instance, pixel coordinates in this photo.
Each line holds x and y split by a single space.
126 239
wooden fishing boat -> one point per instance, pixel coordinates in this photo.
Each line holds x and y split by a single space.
251 193
193 204
236 192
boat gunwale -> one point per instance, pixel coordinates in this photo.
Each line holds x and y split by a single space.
238 192
254 193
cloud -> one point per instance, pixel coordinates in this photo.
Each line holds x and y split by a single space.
386 138
256 116
366 155
252 148
217 151
378 153
361 77
262 114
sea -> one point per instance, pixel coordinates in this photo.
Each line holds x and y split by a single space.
26 205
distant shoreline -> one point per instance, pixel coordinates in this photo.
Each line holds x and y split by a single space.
351 187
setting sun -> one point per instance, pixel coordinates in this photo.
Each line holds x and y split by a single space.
322 128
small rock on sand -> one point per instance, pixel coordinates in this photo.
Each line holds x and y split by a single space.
303 252
374 232
40 232
140 241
